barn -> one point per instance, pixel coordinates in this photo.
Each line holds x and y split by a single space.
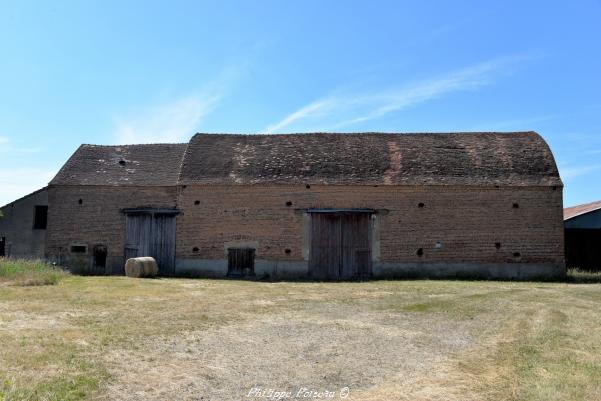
583 236
326 206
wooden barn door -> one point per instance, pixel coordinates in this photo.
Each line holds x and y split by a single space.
151 235
356 246
163 243
325 255
138 231
340 246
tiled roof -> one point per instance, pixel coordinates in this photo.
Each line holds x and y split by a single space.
574 211
155 165
521 158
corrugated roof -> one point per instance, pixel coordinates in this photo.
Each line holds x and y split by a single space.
521 158
573 211
153 164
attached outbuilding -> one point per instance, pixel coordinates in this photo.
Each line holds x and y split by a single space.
23 226
583 236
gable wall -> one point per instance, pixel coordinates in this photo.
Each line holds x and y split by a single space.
466 221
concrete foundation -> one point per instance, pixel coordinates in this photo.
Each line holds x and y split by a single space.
467 270
290 270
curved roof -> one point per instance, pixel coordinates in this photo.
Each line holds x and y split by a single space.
574 211
154 165
520 158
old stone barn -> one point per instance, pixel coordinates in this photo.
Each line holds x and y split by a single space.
324 206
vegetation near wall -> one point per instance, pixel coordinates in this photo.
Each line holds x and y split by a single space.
26 272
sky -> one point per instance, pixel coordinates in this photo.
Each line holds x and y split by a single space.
117 72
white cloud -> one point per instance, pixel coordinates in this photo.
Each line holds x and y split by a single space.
344 109
567 173
177 120
173 122
4 140
22 181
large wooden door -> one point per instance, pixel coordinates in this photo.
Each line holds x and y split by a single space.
356 247
138 231
340 246
152 235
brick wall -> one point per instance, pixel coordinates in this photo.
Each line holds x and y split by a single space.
466 222
96 220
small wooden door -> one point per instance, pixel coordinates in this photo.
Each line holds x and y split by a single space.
340 246
153 235
240 262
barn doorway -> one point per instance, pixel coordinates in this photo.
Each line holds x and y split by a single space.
152 233
99 255
2 247
340 244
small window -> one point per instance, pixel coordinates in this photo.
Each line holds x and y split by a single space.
240 262
40 217
79 249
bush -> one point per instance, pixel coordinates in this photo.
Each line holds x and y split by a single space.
28 272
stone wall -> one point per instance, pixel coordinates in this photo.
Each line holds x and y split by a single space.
22 240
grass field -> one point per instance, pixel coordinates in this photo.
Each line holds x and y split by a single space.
114 338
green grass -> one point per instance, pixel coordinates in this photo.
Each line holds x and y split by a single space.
583 276
29 273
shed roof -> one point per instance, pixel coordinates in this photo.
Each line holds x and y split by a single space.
573 211
153 164
520 158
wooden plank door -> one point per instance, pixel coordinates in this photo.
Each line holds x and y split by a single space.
138 231
151 235
163 243
340 246
240 262
325 255
356 246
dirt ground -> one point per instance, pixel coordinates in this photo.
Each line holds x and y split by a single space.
114 338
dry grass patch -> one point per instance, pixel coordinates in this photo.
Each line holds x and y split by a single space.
113 338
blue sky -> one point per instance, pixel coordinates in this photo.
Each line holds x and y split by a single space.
112 72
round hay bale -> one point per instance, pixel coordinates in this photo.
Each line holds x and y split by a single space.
141 267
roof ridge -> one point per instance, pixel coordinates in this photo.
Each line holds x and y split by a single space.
135 144
364 133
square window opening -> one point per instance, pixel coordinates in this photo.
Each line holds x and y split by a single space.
79 249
